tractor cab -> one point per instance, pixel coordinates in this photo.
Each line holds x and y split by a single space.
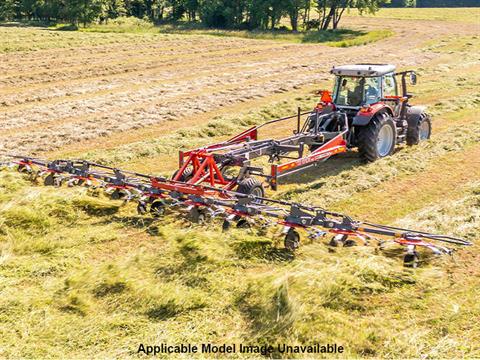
364 84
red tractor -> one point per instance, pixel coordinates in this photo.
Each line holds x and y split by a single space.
376 101
369 109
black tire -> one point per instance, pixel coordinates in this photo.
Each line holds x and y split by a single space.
243 224
22 169
251 186
116 195
196 216
187 175
411 260
292 240
349 243
337 240
157 208
367 137
415 133
226 225
49 180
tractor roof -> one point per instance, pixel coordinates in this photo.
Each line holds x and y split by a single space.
363 70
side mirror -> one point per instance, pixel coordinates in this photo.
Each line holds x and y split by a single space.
413 78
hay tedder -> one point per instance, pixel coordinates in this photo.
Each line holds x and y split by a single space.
222 180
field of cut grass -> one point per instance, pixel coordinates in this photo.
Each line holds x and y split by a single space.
84 276
462 15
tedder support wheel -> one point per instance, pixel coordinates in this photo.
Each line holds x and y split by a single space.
187 174
116 195
196 216
377 139
251 186
420 130
337 240
243 224
292 240
49 180
411 260
157 208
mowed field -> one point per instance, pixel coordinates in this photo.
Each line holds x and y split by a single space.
83 276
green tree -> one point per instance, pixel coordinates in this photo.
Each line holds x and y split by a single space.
331 11
112 9
223 13
158 9
82 11
294 9
8 9
135 8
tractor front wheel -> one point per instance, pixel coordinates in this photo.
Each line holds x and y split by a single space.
377 139
420 130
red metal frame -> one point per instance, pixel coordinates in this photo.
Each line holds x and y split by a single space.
205 169
335 146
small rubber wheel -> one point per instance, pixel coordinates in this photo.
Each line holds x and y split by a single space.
116 195
22 168
252 186
49 180
187 174
337 240
292 240
157 209
226 225
411 260
243 224
196 216
141 208
349 243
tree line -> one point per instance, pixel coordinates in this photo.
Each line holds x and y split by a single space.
230 14
433 3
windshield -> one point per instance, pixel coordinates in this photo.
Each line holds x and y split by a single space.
356 91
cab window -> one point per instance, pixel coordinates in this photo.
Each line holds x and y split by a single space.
372 90
356 91
389 86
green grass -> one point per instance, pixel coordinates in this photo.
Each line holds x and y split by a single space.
31 39
62 36
464 15
85 283
339 38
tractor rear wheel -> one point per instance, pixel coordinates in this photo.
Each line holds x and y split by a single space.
251 186
419 131
377 139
